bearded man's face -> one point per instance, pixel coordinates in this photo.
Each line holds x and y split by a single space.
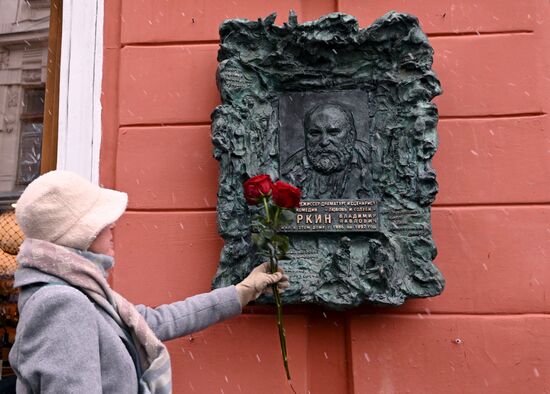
330 136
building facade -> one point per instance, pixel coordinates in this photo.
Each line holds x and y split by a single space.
488 331
23 60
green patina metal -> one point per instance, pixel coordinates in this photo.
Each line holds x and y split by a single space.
271 79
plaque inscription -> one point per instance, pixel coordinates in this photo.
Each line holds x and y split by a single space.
335 216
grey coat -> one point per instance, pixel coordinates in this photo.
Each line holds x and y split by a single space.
67 344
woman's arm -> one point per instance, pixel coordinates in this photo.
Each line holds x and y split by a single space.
200 311
193 314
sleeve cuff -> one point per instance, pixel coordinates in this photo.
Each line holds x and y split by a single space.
229 298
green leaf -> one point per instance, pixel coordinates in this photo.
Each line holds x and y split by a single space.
257 222
259 240
287 217
268 233
261 219
281 242
263 253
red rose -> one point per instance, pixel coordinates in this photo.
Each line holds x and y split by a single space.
257 187
285 195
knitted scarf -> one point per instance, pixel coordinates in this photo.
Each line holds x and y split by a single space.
75 269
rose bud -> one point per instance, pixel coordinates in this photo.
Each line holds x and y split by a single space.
285 195
257 187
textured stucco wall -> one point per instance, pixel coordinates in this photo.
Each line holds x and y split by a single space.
490 330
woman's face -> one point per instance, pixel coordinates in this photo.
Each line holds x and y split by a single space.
103 244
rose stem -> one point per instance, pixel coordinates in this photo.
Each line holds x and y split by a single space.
282 337
264 199
277 215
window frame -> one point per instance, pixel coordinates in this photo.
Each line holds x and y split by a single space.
72 119
7 199
79 130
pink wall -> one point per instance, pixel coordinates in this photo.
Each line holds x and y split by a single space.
490 330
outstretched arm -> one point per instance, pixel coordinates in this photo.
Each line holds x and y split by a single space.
192 314
200 311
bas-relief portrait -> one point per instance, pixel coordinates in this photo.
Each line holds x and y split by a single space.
330 131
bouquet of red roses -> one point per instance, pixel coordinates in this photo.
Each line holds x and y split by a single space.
279 201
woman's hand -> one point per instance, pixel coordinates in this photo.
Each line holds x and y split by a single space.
259 281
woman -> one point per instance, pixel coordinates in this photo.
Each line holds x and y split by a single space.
75 334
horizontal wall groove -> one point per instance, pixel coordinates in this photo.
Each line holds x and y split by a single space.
480 33
492 116
169 43
153 125
435 207
315 310
441 117
422 315
170 210
542 204
217 41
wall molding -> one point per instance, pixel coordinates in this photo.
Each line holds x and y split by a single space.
79 133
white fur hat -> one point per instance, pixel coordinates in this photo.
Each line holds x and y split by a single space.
63 208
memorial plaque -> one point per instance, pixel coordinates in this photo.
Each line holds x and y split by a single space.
345 114
334 216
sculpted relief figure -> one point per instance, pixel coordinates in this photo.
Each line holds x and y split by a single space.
334 163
